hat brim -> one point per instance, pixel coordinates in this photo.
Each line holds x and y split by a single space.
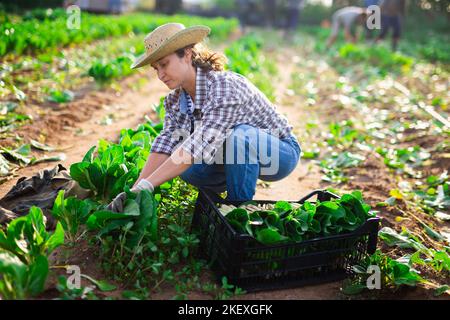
185 37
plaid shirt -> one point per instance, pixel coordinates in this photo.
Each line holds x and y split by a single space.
222 101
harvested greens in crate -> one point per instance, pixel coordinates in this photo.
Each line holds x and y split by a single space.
261 245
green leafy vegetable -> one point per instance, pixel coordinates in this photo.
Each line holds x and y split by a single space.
139 218
72 213
286 223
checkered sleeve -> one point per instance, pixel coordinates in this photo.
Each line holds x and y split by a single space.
221 112
165 142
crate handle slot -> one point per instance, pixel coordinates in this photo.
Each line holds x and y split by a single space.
322 195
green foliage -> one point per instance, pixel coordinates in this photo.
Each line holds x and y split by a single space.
116 166
24 251
344 133
404 160
394 274
44 14
10 120
333 166
69 293
20 154
435 193
104 71
37 33
19 280
139 218
438 260
60 96
106 174
229 290
286 223
378 56
165 258
403 240
72 213
27 238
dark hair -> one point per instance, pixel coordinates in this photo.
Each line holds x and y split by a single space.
204 58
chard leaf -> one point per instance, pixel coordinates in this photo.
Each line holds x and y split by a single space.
99 218
441 290
23 150
89 156
37 276
101 284
283 206
56 239
79 172
269 236
16 156
10 264
433 234
392 238
403 274
147 209
40 146
60 157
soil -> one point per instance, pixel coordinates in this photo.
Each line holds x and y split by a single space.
75 127
78 123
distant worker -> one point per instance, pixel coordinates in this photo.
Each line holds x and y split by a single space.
391 13
349 18
367 4
293 14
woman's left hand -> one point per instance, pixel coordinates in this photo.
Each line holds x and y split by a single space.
118 204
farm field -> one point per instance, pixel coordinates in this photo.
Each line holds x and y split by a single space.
371 123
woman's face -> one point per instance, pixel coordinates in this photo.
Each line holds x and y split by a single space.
173 70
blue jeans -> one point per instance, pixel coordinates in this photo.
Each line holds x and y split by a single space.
388 22
250 161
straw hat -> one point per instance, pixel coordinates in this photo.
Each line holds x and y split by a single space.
167 39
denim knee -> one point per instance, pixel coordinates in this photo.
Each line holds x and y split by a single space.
203 175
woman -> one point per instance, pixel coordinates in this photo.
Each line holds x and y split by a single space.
220 132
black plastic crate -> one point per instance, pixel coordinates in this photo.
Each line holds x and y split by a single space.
254 266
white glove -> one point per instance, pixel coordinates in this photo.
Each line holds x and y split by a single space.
143 184
118 203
